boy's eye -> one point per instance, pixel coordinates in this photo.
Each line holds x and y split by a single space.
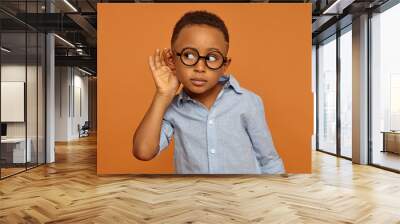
189 55
211 57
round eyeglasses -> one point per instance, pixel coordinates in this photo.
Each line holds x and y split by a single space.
190 57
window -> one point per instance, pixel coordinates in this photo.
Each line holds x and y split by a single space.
385 88
346 93
327 95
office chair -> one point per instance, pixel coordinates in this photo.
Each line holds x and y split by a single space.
84 130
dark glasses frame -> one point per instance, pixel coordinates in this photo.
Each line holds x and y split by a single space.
224 58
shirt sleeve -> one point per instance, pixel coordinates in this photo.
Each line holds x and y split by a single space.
167 131
260 136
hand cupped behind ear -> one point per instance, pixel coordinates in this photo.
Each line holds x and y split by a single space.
169 58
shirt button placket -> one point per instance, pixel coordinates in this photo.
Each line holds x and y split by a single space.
211 139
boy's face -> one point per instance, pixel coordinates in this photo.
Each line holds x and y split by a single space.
199 78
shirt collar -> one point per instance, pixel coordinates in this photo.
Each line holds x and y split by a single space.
229 81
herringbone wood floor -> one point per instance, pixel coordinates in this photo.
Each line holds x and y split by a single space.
69 191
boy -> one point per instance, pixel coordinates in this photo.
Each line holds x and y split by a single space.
218 126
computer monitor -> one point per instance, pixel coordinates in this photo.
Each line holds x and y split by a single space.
3 129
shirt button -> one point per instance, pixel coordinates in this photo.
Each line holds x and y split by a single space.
212 151
210 122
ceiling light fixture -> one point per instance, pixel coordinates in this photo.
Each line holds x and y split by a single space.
5 50
337 7
64 40
84 71
70 5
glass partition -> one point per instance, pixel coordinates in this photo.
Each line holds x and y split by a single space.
22 89
327 95
13 104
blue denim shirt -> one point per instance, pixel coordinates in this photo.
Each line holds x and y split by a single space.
231 138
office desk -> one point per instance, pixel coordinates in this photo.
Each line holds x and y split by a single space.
13 150
391 141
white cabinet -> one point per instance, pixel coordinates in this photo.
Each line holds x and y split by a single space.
16 147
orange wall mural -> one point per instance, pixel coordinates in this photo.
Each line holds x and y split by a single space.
270 47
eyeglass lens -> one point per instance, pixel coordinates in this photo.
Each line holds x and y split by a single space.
213 59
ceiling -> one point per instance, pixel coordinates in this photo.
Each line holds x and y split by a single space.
76 22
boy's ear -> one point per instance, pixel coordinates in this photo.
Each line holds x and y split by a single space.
170 59
227 63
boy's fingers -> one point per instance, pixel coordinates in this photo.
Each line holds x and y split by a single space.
157 57
151 63
163 58
154 60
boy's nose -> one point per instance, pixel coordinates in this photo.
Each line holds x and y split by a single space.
200 66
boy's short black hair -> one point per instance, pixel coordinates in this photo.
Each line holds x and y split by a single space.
199 18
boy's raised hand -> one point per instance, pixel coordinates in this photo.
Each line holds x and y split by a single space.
164 76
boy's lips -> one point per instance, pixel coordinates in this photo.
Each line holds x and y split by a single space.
198 82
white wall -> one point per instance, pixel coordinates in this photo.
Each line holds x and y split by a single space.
81 100
61 103
71 92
